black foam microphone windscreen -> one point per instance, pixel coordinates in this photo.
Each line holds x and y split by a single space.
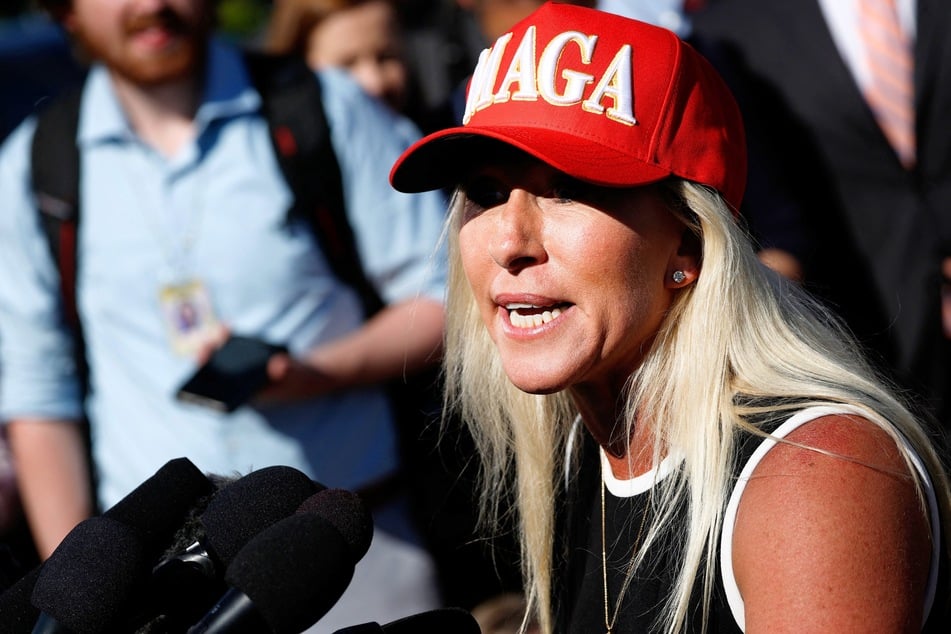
250 504
87 581
348 514
156 508
188 582
286 578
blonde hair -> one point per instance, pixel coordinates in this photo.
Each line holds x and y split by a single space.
738 337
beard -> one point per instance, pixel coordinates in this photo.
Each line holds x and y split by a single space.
176 49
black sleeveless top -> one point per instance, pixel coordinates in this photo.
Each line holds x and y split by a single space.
580 608
578 592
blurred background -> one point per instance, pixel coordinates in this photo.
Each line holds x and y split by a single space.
442 44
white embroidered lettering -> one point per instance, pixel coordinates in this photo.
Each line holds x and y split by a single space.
483 78
521 71
615 85
575 80
524 80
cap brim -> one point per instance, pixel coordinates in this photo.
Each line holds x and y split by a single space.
442 159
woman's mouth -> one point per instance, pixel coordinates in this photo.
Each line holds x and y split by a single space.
531 315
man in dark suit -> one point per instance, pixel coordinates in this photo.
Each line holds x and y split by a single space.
877 230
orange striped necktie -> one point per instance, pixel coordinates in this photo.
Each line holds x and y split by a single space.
890 94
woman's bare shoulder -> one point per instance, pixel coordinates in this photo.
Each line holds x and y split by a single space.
830 534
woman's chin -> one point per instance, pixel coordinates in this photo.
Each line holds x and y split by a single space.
537 389
538 381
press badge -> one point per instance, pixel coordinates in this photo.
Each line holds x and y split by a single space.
188 316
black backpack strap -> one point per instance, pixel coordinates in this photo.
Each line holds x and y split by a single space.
292 104
54 169
55 179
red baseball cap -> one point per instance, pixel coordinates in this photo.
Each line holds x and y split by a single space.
603 98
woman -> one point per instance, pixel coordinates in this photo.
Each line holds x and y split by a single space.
737 465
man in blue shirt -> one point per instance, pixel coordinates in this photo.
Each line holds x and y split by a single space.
183 200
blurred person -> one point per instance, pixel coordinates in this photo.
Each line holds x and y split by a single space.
871 207
694 443
183 198
364 38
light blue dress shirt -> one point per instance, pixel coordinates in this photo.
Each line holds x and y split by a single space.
215 211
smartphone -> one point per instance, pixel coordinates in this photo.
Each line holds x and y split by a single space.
231 376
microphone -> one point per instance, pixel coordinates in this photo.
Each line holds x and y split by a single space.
185 584
84 585
142 523
289 575
156 508
247 506
455 620
348 514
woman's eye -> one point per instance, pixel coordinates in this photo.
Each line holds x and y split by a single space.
486 193
568 190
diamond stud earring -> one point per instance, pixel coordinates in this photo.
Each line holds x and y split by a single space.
678 276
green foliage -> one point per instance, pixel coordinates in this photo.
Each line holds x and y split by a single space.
242 19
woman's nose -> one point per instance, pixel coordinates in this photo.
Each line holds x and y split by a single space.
516 242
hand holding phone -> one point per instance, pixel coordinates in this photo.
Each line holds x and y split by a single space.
232 375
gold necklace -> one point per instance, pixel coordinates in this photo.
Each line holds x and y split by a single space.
609 620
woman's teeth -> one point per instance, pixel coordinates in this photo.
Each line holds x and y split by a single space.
531 316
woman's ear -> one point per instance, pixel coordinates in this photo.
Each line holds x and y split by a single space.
684 267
